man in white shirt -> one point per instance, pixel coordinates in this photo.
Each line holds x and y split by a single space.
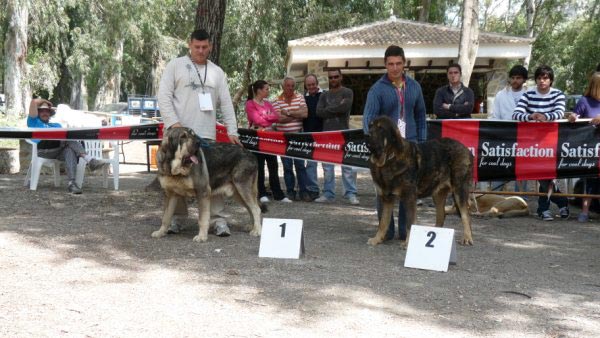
192 89
506 100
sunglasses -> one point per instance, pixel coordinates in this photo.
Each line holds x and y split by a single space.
334 77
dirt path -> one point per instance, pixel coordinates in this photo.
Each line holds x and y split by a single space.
86 265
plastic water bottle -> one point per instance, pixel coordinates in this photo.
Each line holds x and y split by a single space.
481 109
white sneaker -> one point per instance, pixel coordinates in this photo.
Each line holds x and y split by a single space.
264 199
221 228
353 200
323 199
286 200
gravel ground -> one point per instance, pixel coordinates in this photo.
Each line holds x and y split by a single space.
86 266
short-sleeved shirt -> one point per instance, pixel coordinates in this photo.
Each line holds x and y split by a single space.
35 122
296 103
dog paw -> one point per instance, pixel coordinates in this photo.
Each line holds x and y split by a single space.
466 241
158 234
373 241
255 233
200 238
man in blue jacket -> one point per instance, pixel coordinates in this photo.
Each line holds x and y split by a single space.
399 97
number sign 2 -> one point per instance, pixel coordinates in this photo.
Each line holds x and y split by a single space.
430 248
281 238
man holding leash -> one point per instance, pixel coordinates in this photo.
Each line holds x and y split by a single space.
192 89
399 97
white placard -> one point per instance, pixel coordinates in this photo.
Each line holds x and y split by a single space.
430 248
281 238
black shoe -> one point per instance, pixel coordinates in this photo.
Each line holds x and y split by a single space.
73 188
95 164
305 196
291 196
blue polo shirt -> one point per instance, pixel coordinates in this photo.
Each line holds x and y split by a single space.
35 122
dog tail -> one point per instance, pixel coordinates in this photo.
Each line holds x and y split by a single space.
263 207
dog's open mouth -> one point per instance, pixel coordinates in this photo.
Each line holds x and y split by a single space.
190 159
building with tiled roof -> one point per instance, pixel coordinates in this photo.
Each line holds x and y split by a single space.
427 46
429 49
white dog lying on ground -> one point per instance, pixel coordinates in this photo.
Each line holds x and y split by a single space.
495 206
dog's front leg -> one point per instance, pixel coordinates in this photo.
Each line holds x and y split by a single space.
410 207
203 218
167 216
384 222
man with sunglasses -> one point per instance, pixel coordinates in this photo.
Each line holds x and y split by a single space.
454 100
334 108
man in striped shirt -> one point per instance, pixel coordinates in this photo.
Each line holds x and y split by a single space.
541 104
292 110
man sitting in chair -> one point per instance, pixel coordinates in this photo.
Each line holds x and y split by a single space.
40 111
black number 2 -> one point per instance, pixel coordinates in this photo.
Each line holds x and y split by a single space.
432 235
282 230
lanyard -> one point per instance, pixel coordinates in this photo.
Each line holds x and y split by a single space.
202 82
400 91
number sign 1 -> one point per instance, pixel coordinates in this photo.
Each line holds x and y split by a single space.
430 248
281 238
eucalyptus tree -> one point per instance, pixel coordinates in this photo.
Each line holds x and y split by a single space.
15 52
469 39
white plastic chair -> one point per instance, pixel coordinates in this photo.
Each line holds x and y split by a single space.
35 167
94 149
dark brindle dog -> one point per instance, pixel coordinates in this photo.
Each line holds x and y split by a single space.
406 170
185 169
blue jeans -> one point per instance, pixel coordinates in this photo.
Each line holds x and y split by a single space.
391 227
348 180
312 181
544 202
290 178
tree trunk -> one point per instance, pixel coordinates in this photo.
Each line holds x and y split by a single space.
424 10
18 93
210 15
530 17
78 99
244 88
110 89
530 13
469 39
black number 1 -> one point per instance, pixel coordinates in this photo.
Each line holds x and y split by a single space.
282 230
432 235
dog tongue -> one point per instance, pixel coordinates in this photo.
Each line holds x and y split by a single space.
194 159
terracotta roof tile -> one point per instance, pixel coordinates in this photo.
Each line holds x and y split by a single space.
400 32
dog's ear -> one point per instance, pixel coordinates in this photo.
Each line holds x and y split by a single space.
164 155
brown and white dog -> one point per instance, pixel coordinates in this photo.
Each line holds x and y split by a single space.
407 171
185 169
489 205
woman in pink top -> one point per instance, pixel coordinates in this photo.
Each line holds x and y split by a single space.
261 115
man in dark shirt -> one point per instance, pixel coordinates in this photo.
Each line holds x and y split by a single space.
454 100
312 123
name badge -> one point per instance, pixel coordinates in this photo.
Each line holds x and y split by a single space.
402 127
205 101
